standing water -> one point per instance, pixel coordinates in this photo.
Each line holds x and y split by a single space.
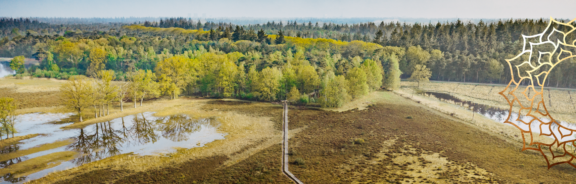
142 134
5 70
501 115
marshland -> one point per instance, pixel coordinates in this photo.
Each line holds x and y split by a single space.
182 100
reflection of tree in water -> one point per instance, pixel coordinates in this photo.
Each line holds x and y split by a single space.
143 130
3 164
106 141
103 143
177 127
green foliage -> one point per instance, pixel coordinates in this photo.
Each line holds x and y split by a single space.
421 74
7 116
357 82
17 64
374 74
334 93
392 80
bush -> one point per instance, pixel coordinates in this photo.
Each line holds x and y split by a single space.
304 99
359 141
299 161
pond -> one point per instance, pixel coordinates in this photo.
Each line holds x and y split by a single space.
500 115
142 134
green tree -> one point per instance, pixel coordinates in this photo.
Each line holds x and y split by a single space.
374 74
227 78
308 78
262 37
357 82
392 80
17 64
97 61
269 83
280 38
108 91
421 74
334 92
495 70
7 116
293 95
77 94
416 56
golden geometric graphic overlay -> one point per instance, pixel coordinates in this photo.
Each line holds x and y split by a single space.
541 53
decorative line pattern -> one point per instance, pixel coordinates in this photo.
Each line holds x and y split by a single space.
540 54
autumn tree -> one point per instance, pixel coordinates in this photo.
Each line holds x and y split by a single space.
7 116
77 94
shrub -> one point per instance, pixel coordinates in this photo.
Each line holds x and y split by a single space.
359 141
304 99
299 161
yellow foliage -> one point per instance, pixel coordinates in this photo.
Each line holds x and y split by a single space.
173 30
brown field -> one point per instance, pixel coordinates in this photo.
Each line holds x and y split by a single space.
403 141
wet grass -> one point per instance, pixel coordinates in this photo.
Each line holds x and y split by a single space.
44 147
39 163
15 140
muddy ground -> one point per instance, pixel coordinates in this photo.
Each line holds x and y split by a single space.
395 140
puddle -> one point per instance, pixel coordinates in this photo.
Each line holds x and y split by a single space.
500 115
142 134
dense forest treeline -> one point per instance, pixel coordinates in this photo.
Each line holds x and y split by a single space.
453 51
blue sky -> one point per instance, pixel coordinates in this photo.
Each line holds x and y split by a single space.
293 8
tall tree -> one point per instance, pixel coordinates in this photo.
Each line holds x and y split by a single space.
77 94
421 74
7 116
17 64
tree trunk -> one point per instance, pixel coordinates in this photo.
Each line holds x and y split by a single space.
107 109
121 105
80 116
134 101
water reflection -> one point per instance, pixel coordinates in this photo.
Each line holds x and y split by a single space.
525 123
142 134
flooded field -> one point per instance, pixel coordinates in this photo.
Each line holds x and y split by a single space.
58 149
520 121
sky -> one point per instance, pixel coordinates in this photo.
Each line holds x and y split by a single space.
489 9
